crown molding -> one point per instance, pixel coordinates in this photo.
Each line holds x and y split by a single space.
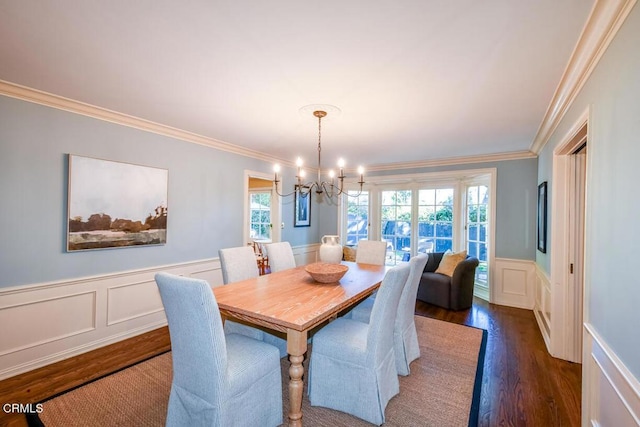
488 158
605 19
59 102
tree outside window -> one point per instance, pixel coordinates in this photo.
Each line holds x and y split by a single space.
260 215
435 220
357 217
477 228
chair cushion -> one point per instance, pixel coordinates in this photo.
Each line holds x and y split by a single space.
248 360
435 289
344 337
349 254
433 262
450 261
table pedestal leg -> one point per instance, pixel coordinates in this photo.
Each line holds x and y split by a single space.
296 347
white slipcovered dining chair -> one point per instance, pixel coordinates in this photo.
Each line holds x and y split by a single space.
371 252
239 264
280 256
405 336
218 379
352 367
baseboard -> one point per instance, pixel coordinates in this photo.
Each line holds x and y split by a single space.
611 394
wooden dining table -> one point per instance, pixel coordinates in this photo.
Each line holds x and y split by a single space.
291 302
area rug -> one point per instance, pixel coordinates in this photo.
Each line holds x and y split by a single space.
443 389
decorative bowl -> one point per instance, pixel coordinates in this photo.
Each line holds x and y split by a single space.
326 273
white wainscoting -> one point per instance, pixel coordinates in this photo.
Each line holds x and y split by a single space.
542 307
44 323
513 283
610 393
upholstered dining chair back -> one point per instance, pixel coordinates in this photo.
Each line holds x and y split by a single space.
380 337
352 367
280 256
405 336
371 252
238 264
214 375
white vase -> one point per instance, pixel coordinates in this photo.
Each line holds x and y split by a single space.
331 249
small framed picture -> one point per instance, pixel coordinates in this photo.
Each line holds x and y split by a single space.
542 217
302 214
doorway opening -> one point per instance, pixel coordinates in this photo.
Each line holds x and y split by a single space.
262 208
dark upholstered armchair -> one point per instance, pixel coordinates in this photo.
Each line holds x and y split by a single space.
453 293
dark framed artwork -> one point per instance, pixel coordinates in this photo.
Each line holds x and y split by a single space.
542 217
114 204
302 205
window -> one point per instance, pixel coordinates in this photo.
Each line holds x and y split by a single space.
425 213
260 215
396 224
357 217
435 220
477 225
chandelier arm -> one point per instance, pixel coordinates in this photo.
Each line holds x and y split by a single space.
321 187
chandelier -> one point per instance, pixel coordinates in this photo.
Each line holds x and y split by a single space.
330 187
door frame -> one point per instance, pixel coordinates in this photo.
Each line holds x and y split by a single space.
566 299
276 207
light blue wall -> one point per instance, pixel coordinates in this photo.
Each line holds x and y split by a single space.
205 195
205 203
613 200
516 196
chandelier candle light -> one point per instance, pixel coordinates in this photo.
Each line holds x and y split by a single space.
321 187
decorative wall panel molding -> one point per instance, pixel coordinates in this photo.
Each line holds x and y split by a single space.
513 283
44 323
542 306
611 394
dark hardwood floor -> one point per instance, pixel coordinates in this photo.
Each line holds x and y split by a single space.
522 384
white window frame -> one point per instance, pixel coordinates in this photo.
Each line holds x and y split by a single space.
276 207
459 180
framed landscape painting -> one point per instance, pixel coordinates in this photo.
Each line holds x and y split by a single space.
114 204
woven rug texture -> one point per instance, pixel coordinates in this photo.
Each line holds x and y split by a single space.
438 392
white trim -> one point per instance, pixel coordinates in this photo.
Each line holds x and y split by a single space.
276 206
603 23
540 309
24 93
562 329
47 335
513 283
484 158
610 392
136 311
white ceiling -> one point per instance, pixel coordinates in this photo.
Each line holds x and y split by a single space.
415 80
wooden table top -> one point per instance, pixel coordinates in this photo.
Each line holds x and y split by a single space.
291 299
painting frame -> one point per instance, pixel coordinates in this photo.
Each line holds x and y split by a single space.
113 204
542 217
302 208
